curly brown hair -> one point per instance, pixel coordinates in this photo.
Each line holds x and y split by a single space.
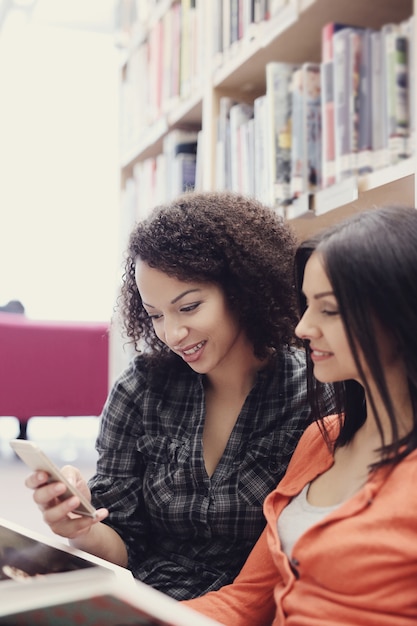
223 238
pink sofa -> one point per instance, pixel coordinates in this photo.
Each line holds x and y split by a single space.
51 368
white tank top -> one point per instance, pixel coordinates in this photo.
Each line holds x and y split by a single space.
297 517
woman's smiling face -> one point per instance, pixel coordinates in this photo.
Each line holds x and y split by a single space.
193 319
321 324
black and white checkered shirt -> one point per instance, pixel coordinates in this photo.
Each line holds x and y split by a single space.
188 533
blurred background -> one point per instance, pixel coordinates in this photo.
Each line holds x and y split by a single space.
59 157
59 197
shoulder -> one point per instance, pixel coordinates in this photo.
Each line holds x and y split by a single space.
312 453
290 375
290 365
292 358
313 435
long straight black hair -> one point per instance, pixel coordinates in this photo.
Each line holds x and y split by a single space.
371 262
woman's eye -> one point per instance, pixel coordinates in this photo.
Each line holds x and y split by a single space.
190 307
327 312
155 317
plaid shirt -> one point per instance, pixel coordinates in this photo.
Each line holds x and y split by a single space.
187 533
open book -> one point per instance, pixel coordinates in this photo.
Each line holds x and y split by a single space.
47 583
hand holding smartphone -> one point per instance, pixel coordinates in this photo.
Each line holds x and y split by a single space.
37 460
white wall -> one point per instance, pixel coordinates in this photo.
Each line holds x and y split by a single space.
59 171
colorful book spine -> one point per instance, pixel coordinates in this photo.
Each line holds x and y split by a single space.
298 157
346 97
312 132
262 177
239 114
379 128
364 163
223 151
279 104
327 102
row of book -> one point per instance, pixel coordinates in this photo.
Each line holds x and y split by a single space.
169 50
234 21
163 68
159 179
321 123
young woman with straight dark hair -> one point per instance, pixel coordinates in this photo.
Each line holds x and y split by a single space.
340 546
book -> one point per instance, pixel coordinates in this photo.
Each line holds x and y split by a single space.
239 114
155 71
279 106
346 77
234 21
399 122
247 149
327 101
180 150
217 33
395 90
364 144
186 48
223 164
312 126
298 164
355 49
262 177
408 30
379 139
51 584
306 140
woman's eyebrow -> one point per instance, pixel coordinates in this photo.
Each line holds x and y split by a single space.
323 294
184 293
181 295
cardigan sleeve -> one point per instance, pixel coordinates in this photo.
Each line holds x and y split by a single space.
249 600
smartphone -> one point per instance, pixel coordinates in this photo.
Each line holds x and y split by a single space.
36 459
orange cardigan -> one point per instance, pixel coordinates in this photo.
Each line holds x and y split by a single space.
356 567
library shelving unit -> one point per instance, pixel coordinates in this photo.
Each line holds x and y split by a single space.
293 35
214 65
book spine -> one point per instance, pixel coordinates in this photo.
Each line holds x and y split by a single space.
354 61
365 106
327 102
223 169
226 22
379 141
186 49
262 177
341 82
234 21
407 29
278 91
312 133
239 114
298 163
402 95
389 35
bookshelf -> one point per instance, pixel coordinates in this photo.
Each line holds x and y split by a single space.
292 35
287 31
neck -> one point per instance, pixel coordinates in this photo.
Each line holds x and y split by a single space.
236 377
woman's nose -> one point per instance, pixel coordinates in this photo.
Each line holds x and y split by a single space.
175 332
305 329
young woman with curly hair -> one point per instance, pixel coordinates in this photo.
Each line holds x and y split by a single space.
202 424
